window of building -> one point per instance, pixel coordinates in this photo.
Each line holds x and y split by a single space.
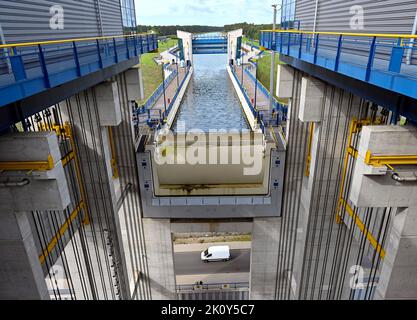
288 14
128 15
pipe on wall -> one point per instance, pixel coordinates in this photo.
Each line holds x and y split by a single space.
413 32
398 178
9 184
316 11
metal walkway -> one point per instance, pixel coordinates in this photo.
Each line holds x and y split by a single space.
382 60
27 69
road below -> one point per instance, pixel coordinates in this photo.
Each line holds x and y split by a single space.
188 263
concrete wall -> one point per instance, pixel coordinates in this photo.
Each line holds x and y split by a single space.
160 258
264 258
398 274
21 275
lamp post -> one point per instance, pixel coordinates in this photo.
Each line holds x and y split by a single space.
176 62
272 73
241 65
256 82
163 88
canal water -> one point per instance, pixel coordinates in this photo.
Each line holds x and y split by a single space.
210 101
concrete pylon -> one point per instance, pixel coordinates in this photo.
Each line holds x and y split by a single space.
264 258
22 191
398 273
187 45
21 272
91 113
160 258
233 43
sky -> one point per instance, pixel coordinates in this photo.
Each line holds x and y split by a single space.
204 12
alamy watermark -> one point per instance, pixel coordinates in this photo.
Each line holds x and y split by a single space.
357 20
212 147
56 22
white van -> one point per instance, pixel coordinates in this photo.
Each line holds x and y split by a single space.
216 253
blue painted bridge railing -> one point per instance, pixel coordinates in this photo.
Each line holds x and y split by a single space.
154 118
388 61
282 109
29 68
257 115
158 91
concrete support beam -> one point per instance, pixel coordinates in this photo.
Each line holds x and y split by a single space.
45 189
107 94
398 274
370 182
264 258
311 100
134 84
285 79
160 258
21 275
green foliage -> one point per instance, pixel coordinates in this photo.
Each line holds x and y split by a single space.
151 72
264 68
172 30
251 30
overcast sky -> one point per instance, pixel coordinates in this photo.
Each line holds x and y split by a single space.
204 12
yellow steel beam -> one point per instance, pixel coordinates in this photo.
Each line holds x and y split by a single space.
67 158
363 228
310 142
113 155
62 41
68 130
28 165
352 129
378 161
60 233
347 34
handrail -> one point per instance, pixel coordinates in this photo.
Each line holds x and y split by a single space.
348 34
30 44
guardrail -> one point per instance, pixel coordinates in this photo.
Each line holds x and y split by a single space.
213 286
384 60
277 105
154 118
249 102
30 68
165 115
157 93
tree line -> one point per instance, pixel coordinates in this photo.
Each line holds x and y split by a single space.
251 30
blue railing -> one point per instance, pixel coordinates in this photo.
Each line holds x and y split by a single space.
157 117
249 102
383 60
176 94
157 93
276 105
30 68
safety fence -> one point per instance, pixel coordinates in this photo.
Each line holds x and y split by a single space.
214 291
384 60
30 68
253 109
281 108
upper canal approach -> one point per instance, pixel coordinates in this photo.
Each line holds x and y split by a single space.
211 102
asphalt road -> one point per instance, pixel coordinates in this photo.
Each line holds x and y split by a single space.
187 263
